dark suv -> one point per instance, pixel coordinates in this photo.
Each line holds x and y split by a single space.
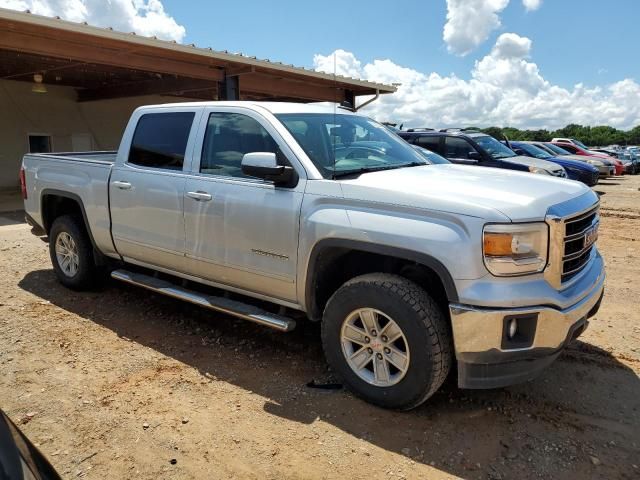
476 148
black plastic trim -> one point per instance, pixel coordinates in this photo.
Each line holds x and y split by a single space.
36 228
417 257
71 196
498 375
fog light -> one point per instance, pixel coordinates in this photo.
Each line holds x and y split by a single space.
519 331
513 328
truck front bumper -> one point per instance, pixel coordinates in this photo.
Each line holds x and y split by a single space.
489 357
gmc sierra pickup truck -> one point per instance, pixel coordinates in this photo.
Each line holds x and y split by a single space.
277 212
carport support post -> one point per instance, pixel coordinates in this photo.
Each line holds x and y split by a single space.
350 97
229 88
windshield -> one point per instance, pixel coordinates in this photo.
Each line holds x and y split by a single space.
557 149
430 156
533 150
340 144
493 147
580 144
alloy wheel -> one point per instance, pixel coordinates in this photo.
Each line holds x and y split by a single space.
375 347
67 254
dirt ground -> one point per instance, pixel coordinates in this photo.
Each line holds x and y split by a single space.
120 383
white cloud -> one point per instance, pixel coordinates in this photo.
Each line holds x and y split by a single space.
511 45
340 62
531 5
145 17
470 22
506 66
505 89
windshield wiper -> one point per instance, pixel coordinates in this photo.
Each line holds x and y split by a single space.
358 171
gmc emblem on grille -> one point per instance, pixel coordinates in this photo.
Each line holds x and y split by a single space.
591 236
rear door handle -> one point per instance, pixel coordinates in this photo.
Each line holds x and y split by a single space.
200 196
122 185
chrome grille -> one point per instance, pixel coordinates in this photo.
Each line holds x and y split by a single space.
577 250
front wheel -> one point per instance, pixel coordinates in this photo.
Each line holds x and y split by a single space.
387 339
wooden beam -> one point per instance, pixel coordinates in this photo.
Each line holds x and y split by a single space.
44 69
281 87
60 47
161 86
234 72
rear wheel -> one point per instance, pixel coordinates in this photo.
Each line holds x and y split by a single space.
387 339
72 253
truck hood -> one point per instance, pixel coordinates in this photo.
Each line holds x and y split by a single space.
488 193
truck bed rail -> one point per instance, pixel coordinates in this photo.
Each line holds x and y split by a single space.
107 157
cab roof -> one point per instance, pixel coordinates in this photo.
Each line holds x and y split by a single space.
272 107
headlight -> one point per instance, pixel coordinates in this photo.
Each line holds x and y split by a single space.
538 170
595 163
515 248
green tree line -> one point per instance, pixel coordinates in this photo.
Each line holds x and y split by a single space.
591 136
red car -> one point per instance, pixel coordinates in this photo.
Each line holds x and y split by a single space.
576 150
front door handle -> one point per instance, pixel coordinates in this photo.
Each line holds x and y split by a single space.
200 196
122 185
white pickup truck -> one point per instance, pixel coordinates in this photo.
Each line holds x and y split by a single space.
409 265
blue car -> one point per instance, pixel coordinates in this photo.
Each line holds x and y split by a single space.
581 171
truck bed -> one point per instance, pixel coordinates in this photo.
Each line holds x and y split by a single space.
81 176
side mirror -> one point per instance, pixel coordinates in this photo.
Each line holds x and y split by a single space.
474 156
265 165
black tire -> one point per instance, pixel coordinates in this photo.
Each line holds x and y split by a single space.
422 322
87 274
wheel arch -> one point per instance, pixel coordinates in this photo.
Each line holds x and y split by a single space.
55 203
334 261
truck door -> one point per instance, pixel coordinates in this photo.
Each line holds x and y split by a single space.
459 150
147 188
241 232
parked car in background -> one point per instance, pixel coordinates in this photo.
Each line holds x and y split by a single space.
630 161
604 166
467 147
632 156
608 151
284 212
572 141
576 150
634 150
580 171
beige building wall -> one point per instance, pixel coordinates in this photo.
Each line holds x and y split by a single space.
98 125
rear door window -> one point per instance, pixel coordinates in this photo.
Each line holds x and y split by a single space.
430 142
160 140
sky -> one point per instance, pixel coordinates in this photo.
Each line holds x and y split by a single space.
521 63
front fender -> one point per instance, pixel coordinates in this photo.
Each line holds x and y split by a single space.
449 244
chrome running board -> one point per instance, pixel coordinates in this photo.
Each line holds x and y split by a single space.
220 304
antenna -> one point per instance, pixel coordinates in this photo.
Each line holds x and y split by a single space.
332 138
